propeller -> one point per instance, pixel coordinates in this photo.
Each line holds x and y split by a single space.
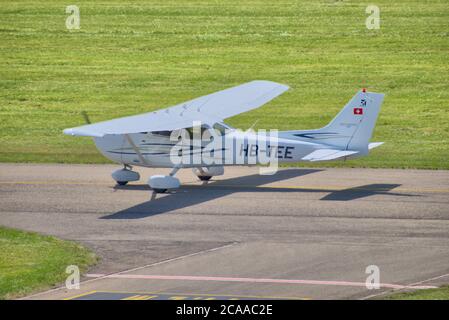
86 117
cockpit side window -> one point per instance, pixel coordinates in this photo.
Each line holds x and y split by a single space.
162 133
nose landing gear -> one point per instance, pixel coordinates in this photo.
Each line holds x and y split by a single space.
206 173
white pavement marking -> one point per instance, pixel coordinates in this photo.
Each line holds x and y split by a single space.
253 280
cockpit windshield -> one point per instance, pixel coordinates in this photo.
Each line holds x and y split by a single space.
221 128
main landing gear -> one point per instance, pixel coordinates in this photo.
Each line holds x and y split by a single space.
125 175
161 183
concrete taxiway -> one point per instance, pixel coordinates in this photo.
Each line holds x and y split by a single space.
299 234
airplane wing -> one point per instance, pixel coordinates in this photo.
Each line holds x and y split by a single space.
208 109
327 154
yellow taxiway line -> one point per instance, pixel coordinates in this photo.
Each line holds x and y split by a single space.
186 295
81 295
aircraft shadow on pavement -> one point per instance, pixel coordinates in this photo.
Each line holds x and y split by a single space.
190 195
364 191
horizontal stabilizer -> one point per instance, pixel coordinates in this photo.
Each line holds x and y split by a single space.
328 154
373 145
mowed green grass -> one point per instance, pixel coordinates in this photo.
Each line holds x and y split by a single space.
427 294
31 262
134 57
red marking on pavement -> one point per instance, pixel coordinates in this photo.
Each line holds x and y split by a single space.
254 280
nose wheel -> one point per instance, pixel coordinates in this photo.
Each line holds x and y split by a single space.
206 173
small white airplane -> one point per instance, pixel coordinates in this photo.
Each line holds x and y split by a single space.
149 139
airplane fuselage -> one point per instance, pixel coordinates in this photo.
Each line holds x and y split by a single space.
156 149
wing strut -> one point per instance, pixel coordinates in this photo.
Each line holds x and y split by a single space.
136 150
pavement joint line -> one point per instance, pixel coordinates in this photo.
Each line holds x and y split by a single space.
431 279
195 184
253 280
176 258
137 268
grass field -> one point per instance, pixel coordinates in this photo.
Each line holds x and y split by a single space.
31 262
428 294
133 57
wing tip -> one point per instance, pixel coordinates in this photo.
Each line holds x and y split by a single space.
68 131
77 132
277 84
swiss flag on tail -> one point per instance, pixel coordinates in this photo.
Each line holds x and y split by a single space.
358 111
